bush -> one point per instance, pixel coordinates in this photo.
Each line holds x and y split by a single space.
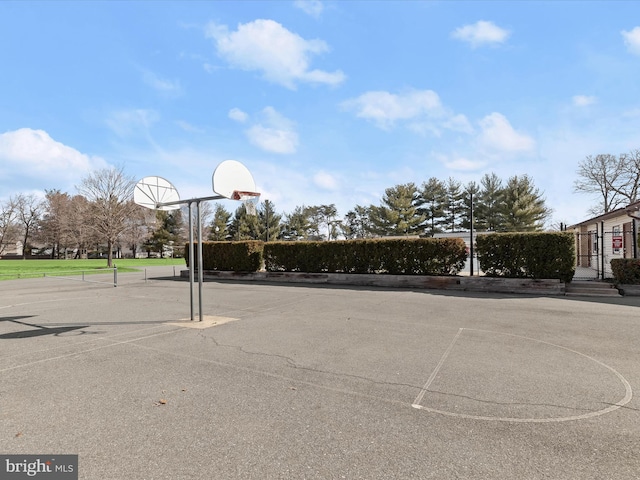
230 256
527 255
626 270
423 256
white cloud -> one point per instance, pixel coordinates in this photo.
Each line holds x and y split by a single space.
458 123
129 122
632 40
162 85
238 115
461 163
310 7
325 180
187 127
282 56
498 134
34 154
481 33
275 133
385 109
421 111
583 100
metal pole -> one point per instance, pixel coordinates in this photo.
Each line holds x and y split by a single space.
191 264
115 275
602 249
471 237
200 262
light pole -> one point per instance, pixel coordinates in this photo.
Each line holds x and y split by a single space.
471 237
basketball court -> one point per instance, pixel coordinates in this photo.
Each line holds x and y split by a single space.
282 381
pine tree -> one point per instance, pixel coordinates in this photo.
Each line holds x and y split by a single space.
470 193
524 207
220 224
488 208
243 226
167 233
357 223
398 212
432 202
454 205
296 225
268 222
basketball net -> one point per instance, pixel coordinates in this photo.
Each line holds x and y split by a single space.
249 200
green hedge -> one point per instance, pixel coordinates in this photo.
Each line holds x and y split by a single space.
626 270
229 256
527 255
420 256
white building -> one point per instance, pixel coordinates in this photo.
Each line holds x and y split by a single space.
605 237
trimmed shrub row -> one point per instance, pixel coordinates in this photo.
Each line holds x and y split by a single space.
514 255
229 256
419 256
626 270
527 255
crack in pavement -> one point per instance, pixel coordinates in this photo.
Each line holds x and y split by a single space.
293 364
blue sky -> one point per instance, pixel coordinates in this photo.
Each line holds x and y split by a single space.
324 101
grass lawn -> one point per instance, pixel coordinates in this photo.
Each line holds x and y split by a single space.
12 269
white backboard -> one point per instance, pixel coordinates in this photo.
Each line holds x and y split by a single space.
231 176
152 191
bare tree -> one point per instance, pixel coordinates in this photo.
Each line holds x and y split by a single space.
54 227
139 228
614 179
109 193
630 185
28 210
8 230
79 227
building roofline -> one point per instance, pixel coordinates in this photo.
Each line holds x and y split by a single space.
612 214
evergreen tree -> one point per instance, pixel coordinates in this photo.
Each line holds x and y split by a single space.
453 206
357 223
432 202
296 225
220 224
398 212
328 213
316 217
471 191
488 208
243 226
168 231
524 207
268 222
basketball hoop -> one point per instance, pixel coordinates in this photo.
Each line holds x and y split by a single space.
248 199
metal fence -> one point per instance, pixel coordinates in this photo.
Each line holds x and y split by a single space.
595 250
89 276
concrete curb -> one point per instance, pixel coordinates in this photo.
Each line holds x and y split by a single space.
456 283
629 290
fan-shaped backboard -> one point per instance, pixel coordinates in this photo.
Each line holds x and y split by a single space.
231 176
151 192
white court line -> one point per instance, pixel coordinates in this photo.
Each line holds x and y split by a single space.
418 400
619 404
80 352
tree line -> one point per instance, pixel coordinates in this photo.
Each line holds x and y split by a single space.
101 216
436 206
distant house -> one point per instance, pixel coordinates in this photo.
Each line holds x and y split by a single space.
605 237
12 249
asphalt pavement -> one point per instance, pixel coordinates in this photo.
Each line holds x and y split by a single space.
317 382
